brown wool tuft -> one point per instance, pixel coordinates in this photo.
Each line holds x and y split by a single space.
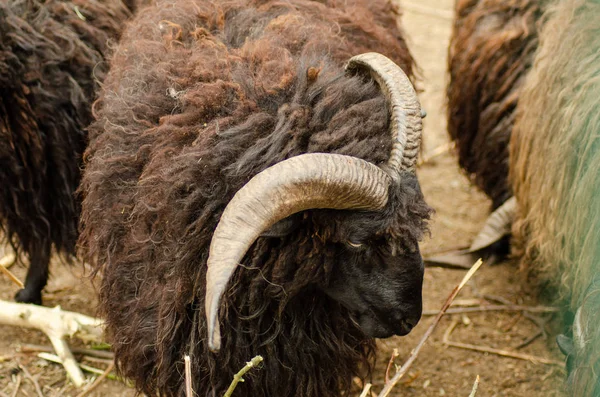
491 51
52 60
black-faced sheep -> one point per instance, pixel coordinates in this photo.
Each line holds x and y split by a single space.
239 116
491 51
51 58
555 175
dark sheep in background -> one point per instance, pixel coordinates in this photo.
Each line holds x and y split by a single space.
201 97
52 56
555 174
491 51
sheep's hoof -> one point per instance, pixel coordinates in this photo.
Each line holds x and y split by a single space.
27 296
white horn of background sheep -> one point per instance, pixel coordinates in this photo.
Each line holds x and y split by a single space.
312 180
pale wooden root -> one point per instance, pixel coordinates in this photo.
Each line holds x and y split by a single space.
57 324
366 390
68 361
8 260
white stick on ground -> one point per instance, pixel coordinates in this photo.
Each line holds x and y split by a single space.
56 324
366 390
189 392
8 260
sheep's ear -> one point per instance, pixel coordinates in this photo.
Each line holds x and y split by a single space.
565 344
283 227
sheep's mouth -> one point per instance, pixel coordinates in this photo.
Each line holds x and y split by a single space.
377 327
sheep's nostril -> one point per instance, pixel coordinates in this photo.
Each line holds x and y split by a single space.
406 325
412 322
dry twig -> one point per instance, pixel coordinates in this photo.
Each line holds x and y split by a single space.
7 262
395 354
17 386
414 353
56 324
366 390
29 348
92 370
504 353
105 361
97 382
512 322
362 386
188 376
475 385
499 352
495 308
238 377
497 298
540 322
528 341
35 383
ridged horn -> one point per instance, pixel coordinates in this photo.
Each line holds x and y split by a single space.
405 109
313 180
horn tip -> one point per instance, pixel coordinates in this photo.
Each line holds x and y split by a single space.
214 337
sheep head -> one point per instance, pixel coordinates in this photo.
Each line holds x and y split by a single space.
378 274
328 181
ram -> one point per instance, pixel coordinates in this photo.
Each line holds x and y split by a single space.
540 143
557 130
245 193
491 51
52 56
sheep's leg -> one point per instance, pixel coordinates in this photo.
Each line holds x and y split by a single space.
37 276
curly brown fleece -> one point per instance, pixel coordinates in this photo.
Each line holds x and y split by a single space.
491 51
51 59
201 96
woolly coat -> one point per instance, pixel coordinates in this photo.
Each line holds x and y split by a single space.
52 56
491 50
201 96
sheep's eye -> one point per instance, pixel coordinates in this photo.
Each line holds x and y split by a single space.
354 245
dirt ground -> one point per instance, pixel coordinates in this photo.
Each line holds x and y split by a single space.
460 211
